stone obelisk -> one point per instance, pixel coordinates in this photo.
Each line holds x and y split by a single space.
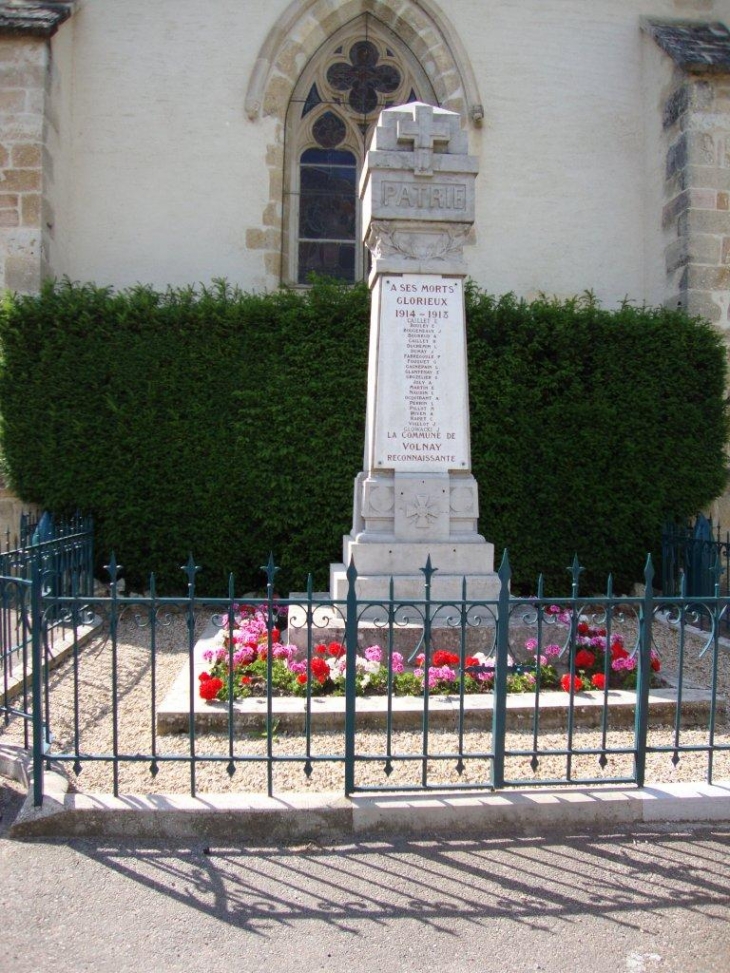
416 496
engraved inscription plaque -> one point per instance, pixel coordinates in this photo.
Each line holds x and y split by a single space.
421 402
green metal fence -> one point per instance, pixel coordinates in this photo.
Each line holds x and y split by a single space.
454 738
50 560
699 554
64 549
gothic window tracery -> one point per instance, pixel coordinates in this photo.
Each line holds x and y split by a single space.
363 78
336 103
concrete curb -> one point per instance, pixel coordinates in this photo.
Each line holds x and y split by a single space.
251 819
533 810
15 764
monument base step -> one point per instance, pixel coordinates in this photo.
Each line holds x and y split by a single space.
410 587
462 554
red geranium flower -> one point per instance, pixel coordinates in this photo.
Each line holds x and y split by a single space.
209 688
336 649
618 651
245 680
301 678
320 669
584 659
655 663
577 683
583 628
320 649
203 676
441 658
471 661
598 680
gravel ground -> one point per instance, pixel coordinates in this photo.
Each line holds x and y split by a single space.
135 723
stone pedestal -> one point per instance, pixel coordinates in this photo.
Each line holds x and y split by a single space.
400 520
416 497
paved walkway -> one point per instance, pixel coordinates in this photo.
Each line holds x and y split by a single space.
655 900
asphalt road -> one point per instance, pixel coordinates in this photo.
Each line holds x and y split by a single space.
654 901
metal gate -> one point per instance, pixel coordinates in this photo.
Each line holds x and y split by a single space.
512 619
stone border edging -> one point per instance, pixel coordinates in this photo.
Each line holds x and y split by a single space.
15 764
253 819
328 712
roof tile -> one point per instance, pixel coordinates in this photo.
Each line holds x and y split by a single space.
693 45
33 17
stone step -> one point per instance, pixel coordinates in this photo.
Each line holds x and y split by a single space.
328 712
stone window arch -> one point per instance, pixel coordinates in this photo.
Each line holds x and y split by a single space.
361 69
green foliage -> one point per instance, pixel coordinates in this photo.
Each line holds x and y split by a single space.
589 429
232 424
217 422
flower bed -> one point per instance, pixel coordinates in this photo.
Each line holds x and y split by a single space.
599 662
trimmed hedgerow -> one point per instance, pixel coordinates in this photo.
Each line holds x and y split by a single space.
231 424
590 428
217 422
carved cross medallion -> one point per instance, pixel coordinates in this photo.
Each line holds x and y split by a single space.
424 131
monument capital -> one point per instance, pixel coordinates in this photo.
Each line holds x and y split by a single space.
424 127
418 191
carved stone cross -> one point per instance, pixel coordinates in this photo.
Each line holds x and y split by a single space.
425 131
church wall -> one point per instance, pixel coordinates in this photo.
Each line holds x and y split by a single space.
128 151
659 79
172 182
59 184
22 76
561 150
168 173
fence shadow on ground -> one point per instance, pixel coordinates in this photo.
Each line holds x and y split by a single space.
537 882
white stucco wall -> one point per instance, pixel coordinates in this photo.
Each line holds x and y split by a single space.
657 72
561 200
167 173
57 215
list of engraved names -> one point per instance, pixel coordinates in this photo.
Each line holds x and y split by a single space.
422 412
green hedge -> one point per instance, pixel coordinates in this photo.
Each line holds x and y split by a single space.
232 424
590 428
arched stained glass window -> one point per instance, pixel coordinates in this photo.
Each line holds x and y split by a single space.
327 213
340 94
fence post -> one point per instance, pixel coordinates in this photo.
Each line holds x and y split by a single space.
88 528
350 694
428 573
643 674
271 572
190 569
499 722
36 613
